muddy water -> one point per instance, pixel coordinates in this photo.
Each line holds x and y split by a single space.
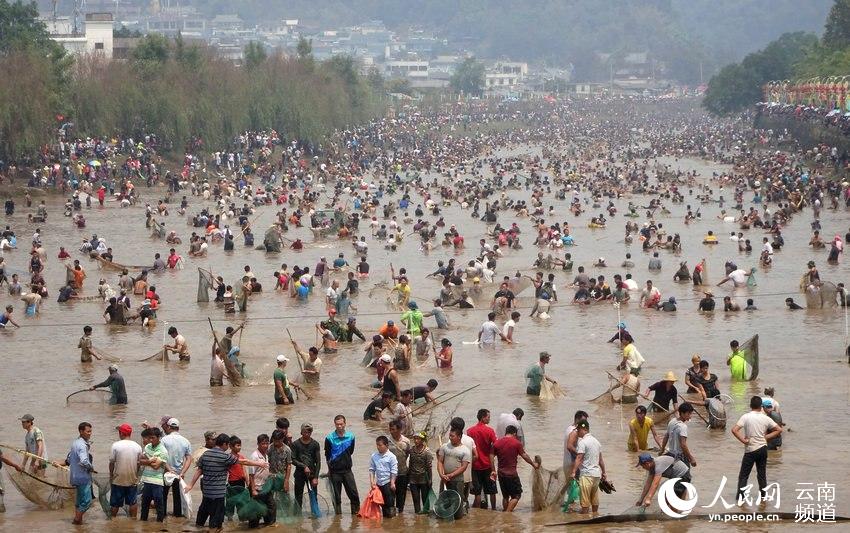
802 357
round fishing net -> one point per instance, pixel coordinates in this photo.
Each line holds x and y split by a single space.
447 505
40 482
97 396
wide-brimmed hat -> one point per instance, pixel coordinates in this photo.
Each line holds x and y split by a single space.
669 376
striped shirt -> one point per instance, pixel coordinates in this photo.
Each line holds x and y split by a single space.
214 465
154 475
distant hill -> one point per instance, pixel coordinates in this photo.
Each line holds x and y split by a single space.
681 34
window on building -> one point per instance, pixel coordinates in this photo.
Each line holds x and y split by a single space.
98 46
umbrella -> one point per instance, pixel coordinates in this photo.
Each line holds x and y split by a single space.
94 163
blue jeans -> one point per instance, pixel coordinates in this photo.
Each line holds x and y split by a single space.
155 493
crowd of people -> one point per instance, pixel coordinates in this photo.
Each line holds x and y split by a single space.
401 175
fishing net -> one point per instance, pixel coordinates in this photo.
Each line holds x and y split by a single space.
550 391
44 484
716 413
819 296
235 498
616 393
105 355
252 510
447 505
288 511
430 499
97 396
751 356
547 486
751 279
102 484
205 283
158 356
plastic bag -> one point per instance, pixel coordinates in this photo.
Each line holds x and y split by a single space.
572 494
371 507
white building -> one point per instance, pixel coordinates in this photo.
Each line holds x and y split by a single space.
95 37
406 69
505 75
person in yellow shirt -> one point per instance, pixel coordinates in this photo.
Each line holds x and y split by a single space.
403 289
736 362
639 429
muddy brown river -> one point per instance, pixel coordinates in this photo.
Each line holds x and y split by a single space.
802 356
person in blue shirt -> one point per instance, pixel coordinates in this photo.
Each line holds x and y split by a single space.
383 470
80 462
303 291
340 261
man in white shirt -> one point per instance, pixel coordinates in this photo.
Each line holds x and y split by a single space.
179 459
739 278
591 467
458 424
511 419
754 429
257 476
124 471
489 331
510 325
676 440
332 294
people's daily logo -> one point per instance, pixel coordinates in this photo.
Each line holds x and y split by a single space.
671 504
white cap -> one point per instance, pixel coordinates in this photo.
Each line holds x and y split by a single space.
282 358
173 422
386 358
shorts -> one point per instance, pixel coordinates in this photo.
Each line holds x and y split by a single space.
216 382
511 486
589 491
634 371
83 498
120 496
481 481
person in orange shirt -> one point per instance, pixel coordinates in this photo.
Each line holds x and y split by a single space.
389 330
79 276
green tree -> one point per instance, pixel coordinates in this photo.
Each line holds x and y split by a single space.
375 80
254 55
153 48
469 77
739 85
399 85
836 32
187 55
304 48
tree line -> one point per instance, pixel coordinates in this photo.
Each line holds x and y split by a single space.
168 88
792 56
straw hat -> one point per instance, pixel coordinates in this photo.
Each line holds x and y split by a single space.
669 376
708 292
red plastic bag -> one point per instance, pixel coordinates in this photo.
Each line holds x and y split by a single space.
371 507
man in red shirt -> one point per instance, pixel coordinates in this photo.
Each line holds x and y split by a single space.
507 450
484 438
